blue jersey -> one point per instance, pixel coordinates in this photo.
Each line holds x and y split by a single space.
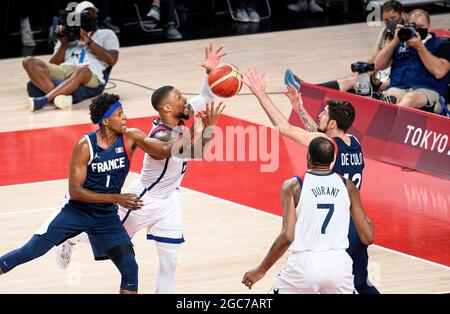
106 172
349 160
350 164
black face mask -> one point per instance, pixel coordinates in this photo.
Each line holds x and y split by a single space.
392 25
89 23
423 32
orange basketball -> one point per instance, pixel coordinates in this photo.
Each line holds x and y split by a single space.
225 80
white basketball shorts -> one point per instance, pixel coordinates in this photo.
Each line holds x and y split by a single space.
328 272
161 216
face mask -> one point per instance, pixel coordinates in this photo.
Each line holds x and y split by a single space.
391 25
423 32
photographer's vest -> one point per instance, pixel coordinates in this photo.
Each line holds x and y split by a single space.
408 70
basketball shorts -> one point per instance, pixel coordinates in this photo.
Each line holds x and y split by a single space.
63 72
160 216
105 230
328 272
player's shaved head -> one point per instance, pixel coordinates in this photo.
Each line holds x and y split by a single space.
321 151
160 95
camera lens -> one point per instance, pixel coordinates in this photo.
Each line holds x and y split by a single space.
406 33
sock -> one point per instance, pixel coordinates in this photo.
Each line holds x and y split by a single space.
330 84
167 265
40 102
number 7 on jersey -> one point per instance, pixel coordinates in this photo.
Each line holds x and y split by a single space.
330 208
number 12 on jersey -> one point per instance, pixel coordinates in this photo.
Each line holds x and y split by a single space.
330 208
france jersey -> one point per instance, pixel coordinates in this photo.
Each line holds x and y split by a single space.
350 164
162 177
349 160
106 172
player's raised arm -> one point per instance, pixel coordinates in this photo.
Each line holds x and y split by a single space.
290 194
363 224
212 60
77 177
255 82
295 97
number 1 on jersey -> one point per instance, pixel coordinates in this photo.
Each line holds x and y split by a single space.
330 208
108 178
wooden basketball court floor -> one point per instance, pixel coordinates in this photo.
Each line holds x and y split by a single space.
228 227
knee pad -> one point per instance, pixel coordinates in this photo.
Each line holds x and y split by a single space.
124 258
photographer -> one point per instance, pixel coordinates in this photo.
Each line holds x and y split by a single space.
420 64
80 66
392 13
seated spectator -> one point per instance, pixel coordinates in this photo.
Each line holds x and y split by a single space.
246 11
419 66
392 13
305 5
167 10
79 68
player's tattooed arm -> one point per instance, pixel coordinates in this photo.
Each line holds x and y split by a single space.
77 177
297 104
255 82
290 194
363 224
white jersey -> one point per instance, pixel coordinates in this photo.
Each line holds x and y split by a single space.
323 214
161 178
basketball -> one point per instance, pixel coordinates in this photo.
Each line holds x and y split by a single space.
226 80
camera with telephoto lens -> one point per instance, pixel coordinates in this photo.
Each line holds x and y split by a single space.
408 32
71 32
362 67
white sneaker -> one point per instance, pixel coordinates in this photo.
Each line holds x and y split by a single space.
314 7
64 254
242 16
253 15
63 102
300 5
154 12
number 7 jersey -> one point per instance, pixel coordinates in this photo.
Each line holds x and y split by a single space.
323 214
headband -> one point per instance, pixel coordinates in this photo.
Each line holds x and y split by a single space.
110 111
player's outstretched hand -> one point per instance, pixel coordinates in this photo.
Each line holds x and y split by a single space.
252 276
129 201
255 81
212 58
212 113
295 97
